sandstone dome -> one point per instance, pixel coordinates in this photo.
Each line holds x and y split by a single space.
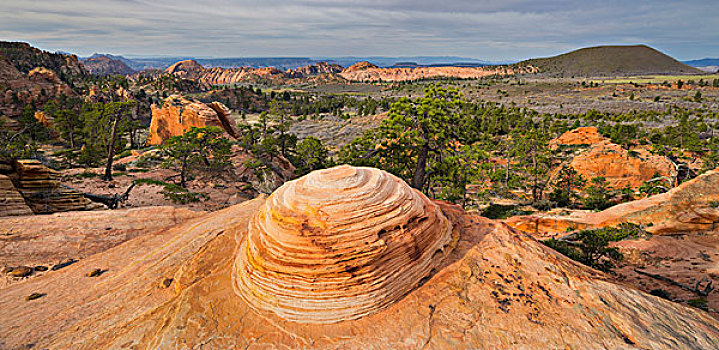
339 244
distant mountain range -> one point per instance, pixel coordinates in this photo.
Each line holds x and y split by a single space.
284 63
710 65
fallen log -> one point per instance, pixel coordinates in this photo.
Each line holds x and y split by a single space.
111 202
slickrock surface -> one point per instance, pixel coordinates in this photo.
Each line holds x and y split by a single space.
586 135
620 167
179 114
689 207
11 202
340 244
498 289
33 240
40 187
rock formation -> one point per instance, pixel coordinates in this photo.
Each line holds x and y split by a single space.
366 72
11 202
496 289
322 71
587 135
314 69
103 65
340 244
619 166
40 187
179 114
18 89
691 207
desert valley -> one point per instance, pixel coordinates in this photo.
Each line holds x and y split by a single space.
161 202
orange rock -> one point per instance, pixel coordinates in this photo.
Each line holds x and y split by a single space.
43 75
619 166
178 114
587 135
367 72
691 207
497 289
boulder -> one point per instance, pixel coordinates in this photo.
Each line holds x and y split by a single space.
178 114
498 288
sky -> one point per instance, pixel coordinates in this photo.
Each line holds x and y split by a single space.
493 30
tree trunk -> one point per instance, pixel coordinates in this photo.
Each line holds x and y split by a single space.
111 151
183 174
421 170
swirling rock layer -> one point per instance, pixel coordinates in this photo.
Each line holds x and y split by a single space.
339 244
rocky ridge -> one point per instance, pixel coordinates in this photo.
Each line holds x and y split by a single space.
690 207
103 65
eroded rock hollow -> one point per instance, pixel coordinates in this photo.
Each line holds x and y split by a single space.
339 244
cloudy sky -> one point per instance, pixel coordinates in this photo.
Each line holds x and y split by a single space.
484 29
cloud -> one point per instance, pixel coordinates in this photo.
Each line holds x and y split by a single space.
486 29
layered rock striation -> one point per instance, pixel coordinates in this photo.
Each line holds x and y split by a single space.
11 202
40 187
340 244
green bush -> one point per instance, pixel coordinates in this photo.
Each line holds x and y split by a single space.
176 194
591 247
500 211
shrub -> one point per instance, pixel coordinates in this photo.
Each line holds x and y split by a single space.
699 303
500 211
661 293
591 247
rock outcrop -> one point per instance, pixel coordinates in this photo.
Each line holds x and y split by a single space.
366 72
103 65
40 187
19 89
621 167
313 70
179 114
689 208
322 71
11 202
496 289
586 135
340 244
